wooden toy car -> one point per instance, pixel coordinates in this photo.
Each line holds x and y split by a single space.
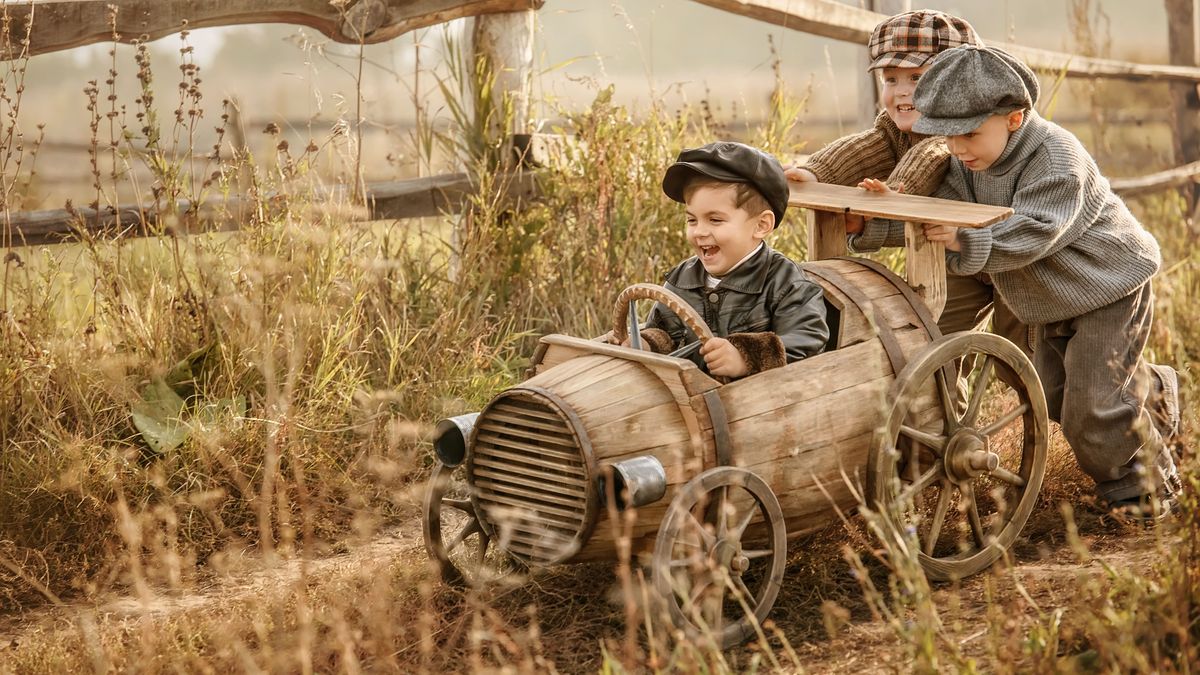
948 434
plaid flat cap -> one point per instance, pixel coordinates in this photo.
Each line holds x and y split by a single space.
911 39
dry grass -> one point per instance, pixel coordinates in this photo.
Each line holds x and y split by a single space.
313 352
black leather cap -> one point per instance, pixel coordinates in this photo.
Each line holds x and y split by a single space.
731 162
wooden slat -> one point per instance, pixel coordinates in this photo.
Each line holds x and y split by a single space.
496 440
535 497
925 268
842 199
816 379
503 416
63 24
528 471
514 405
848 23
574 470
550 541
527 434
571 518
826 234
562 488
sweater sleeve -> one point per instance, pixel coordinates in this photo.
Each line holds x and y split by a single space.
868 154
1049 212
923 168
880 232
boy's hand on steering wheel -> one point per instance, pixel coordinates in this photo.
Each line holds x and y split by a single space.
723 359
627 342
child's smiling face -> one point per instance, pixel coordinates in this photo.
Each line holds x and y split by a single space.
980 149
897 94
722 233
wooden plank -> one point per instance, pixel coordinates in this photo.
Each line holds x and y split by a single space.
413 198
848 23
63 24
925 268
826 234
843 199
815 378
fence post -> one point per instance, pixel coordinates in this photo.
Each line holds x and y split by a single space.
1185 99
503 45
504 42
868 90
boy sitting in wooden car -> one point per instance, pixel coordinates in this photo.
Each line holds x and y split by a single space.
759 303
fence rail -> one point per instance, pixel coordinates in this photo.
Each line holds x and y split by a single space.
77 22
63 24
413 198
848 23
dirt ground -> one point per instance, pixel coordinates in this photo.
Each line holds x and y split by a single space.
818 585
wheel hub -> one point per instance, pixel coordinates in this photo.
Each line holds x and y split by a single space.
727 554
968 456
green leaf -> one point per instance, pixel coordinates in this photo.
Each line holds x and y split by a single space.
157 417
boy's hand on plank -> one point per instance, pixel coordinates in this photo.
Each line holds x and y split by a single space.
723 359
800 175
856 223
943 234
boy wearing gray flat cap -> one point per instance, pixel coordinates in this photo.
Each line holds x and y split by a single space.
1071 260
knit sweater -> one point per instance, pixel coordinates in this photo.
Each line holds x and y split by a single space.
1071 245
884 152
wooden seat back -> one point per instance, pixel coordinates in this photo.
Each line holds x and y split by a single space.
925 267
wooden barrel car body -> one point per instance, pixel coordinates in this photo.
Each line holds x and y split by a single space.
539 450
944 436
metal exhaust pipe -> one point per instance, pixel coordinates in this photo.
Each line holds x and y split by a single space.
638 482
450 438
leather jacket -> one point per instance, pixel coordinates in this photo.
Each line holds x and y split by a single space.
767 293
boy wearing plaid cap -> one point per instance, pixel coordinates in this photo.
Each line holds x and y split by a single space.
901 49
1071 260
761 306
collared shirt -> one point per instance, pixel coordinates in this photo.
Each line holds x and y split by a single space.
712 282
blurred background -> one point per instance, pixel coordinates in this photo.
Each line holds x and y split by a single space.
655 53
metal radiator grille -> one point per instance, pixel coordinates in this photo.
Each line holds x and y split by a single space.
530 478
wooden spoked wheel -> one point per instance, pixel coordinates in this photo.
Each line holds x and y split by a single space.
961 455
676 304
454 537
719 557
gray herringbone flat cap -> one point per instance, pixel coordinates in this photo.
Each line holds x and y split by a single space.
966 85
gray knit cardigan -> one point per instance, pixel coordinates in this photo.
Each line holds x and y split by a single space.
1070 246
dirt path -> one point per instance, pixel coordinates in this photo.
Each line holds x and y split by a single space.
254 578
1048 573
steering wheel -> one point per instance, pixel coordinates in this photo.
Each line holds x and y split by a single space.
676 304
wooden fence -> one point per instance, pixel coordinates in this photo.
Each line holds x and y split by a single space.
506 40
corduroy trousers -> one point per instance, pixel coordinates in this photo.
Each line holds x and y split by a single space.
1117 411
